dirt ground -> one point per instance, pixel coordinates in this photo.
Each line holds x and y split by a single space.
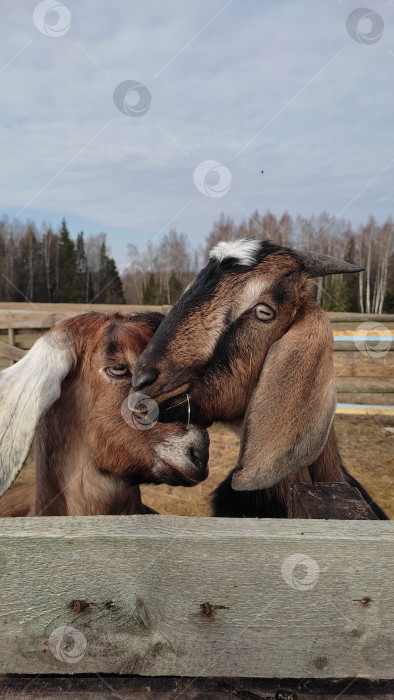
367 451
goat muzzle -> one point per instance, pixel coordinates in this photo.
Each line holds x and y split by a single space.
183 461
158 386
144 379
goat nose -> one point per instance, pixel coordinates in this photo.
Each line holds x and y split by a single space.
143 379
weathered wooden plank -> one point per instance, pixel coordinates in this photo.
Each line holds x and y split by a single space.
11 336
335 317
54 307
345 317
31 324
19 320
90 687
158 595
349 346
11 352
49 314
367 370
365 390
329 501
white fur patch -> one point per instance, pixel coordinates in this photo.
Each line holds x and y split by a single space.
175 450
251 294
244 251
27 390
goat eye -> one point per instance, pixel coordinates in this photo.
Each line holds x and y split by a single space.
264 312
118 371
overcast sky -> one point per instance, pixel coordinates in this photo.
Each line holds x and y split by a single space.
250 84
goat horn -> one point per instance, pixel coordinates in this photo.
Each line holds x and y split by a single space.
319 265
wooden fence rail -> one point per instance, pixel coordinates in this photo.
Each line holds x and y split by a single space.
166 595
16 320
11 352
25 319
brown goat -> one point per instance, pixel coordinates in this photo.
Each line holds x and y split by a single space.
247 340
96 439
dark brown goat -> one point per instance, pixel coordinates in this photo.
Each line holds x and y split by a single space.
247 340
93 446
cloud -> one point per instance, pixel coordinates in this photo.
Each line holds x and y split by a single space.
315 105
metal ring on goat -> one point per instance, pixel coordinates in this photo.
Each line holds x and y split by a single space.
188 425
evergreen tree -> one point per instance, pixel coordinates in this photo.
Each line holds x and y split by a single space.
44 266
350 282
114 293
388 306
107 286
50 259
81 271
151 291
175 288
341 291
29 274
67 272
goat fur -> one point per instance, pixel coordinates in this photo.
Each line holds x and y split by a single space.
89 459
275 375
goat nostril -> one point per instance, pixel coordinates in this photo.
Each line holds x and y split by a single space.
144 379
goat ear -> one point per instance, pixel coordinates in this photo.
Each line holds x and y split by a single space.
291 411
27 390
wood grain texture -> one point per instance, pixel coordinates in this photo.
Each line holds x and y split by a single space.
167 595
20 318
335 317
368 370
329 501
11 352
135 688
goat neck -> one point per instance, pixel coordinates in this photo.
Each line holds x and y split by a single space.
70 479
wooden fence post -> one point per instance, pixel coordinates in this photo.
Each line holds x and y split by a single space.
11 336
329 501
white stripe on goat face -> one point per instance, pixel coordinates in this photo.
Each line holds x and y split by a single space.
244 251
214 318
250 294
213 323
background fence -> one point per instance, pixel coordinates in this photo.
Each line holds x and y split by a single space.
364 364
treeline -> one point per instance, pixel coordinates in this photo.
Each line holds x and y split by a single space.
49 266
158 273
